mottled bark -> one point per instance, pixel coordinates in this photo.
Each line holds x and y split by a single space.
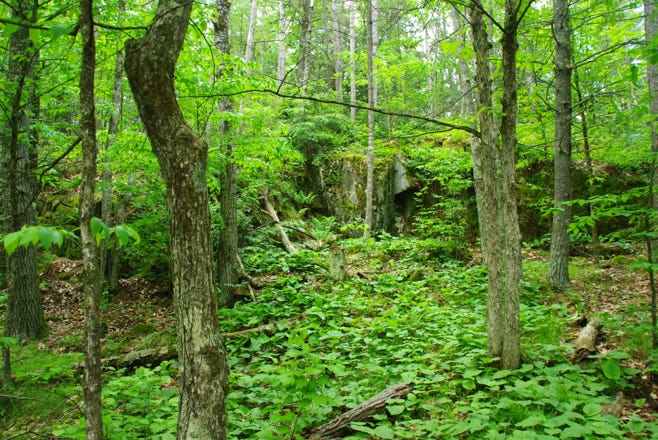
558 265
493 169
372 37
90 252
352 36
281 50
337 34
18 186
227 253
304 61
251 29
510 358
110 256
150 65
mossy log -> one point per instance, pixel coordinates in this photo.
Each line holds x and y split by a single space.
340 426
585 345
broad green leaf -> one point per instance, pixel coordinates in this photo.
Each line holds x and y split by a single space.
395 409
385 432
592 409
122 235
11 241
46 236
611 368
533 420
9 29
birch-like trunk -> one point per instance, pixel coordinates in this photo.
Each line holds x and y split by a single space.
372 37
281 51
203 380
352 36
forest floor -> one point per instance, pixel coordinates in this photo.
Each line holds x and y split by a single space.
140 315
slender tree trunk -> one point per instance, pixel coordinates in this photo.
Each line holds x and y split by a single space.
150 65
251 31
110 257
493 169
587 151
90 251
352 36
558 265
651 31
304 67
372 36
281 52
228 237
337 31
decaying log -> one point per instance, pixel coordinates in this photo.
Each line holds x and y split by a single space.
277 223
585 345
340 426
155 356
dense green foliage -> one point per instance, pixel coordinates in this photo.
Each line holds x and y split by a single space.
414 308
334 345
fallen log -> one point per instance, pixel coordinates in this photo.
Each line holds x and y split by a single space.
155 356
269 209
585 345
340 426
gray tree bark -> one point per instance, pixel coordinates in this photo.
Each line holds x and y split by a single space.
111 256
227 253
24 318
337 31
150 65
90 252
558 265
251 30
281 51
304 62
493 169
352 36
372 46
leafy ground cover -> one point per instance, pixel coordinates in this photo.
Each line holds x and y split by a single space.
407 314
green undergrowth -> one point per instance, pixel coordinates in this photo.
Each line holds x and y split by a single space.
403 316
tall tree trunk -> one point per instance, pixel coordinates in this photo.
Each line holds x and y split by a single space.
493 169
589 164
227 254
337 31
110 256
150 65
90 252
651 31
304 67
372 36
281 51
352 36
251 30
558 265
24 318
511 354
